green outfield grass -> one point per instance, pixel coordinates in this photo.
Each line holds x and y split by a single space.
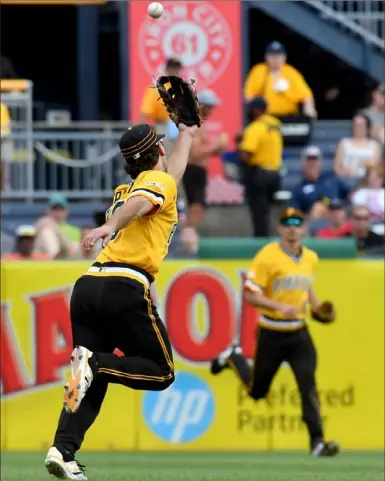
352 466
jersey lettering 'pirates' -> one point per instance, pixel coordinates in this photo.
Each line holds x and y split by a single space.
143 243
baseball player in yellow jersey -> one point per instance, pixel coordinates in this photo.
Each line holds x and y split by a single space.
279 283
111 305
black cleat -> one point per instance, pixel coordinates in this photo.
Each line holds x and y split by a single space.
326 449
221 362
216 367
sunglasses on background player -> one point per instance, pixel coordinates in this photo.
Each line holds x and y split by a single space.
291 221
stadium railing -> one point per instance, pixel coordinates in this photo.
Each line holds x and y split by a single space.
364 18
76 162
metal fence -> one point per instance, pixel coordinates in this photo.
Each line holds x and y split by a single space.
79 164
363 17
16 137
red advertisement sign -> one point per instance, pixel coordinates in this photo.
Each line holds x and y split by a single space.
206 38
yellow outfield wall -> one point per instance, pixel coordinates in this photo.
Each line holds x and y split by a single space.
203 308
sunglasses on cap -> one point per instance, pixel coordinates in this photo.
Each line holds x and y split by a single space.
291 221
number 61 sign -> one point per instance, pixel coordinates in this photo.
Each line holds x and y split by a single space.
196 32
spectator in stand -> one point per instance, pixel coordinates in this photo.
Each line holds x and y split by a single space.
152 109
355 154
203 147
339 225
371 193
283 87
51 238
6 146
312 195
376 114
367 240
261 151
25 246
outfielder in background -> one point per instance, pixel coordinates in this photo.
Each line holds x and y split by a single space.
279 283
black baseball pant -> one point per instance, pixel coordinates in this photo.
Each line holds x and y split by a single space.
272 349
260 187
109 313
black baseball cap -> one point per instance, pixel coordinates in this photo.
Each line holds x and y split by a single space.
137 140
258 103
335 204
291 216
275 47
173 62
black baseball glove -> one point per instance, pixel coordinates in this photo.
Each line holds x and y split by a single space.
180 100
324 313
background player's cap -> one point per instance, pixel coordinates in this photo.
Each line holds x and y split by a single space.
291 216
137 140
275 47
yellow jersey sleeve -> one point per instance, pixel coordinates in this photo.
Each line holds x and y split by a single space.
148 106
251 137
254 81
301 87
259 274
157 186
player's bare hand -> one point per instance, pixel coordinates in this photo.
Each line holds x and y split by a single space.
189 130
104 233
289 312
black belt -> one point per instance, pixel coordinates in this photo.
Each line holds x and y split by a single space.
282 320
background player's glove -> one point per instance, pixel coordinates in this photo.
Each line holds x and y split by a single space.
324 313
180 100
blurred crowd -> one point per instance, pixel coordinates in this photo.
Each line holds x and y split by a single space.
347 201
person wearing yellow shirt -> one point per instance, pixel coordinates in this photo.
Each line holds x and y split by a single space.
261 153
283 87
6 146
152 110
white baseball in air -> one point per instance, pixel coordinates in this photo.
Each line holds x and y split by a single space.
155 10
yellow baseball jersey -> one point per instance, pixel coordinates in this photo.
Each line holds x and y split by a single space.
263 140
282 278
143 244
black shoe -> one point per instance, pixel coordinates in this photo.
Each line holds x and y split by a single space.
325 449
216 367
221 362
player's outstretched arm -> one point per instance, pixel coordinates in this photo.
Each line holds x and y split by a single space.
131 210
177 161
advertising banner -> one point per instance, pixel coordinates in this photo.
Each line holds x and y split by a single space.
205 36
204 310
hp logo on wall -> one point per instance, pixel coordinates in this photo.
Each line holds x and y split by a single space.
183 412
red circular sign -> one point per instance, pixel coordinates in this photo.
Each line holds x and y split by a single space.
194 32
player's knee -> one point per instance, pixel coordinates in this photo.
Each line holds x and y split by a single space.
169 379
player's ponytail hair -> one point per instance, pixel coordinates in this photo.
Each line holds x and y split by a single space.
146 161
